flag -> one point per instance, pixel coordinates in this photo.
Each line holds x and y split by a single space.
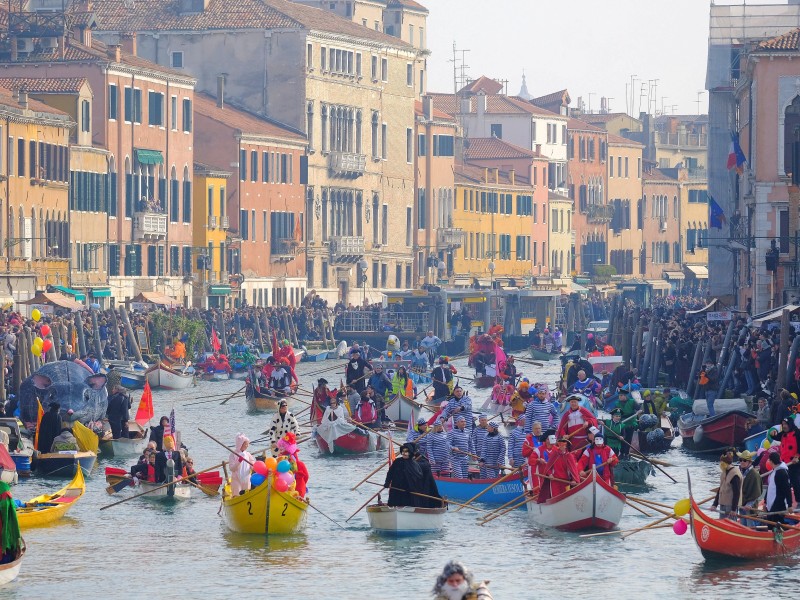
215 343
736 157
145 411
392 455
499 357
39 415
716 215
172 420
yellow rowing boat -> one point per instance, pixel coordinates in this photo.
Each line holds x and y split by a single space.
48 508
263 510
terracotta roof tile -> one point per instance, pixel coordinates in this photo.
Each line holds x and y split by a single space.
482 84
618 140
476 175
657 175
50 85
494 148
559 97
787 41
576 125
437 114
7 100
410 4
603 117
242 120
495 104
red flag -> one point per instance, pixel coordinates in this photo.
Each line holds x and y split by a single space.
392 455
436 414
215 343
145 411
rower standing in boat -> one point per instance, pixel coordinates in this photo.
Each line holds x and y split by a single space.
417 432
478 435
10 546
280 381
538 456
460 404
239 465
540 408
629 410
560 472
729 493
405 476
751 487
282 423
575 423
458 439
779 489
516 442
616 425
322 395
356 370
119 403
438 449
442 375
493 455
600 456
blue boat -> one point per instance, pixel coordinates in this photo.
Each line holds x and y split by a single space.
753 442
420 378
132 378
315 355
462 490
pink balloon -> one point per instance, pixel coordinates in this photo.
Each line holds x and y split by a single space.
288 477
280 485
260 468
680 527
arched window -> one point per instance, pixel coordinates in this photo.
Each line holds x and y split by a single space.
187 195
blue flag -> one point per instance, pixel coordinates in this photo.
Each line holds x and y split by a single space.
716 215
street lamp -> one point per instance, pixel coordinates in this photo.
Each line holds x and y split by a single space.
362 278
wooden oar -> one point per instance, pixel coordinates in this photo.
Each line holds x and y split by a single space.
232 395
386 437
324 515
498 482
528 361
617 531
506 511
659 521
634 507
648 501
206 490
639 454
497 510
773 523
158 488
381 466
360 508
650 506
442 500
208 399
119 486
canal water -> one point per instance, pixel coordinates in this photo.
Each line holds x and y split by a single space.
146 549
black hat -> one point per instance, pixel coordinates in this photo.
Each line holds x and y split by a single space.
322 381
616 411
282 403
409 446
566 440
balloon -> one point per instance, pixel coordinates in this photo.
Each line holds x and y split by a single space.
45 330
36 314
270 463
765 444
680 526
260 468
280 485
682 507
256 479
284 466
36 350
47 345
287 477
38 342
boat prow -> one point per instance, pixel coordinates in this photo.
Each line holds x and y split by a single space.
263 510
48 508
405 520
9 571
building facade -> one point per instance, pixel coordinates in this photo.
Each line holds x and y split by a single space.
211 281
658 218
624 193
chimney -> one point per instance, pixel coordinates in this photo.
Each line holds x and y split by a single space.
496 175
128 42
512 176
538 148
603 105
486 174
23 98
465 106
221 90
427 108
481 101
115 52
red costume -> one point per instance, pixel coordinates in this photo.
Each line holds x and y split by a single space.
300 477
596 456
575 425
561 465
285 354
537 459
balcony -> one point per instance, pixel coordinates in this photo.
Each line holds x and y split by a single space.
223 224
149 226
347 164
681 140
599 213
697 174
346 249
283 249
449 238
212 222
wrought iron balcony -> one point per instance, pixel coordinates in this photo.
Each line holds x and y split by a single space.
150 226
212 222
346 249
223 222
599 213
449 237
347 164
283 249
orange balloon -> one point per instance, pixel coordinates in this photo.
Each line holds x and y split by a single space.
270 463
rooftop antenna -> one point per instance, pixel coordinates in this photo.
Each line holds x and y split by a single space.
459 68
698 101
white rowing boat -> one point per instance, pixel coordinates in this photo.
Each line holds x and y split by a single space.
405 520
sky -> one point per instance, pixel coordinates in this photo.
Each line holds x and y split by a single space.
586 46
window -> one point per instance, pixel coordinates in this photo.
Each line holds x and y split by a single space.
626 167
422 37
384 142
242 165
409 74
187 197
639 168
252 225
611 167
619 166
409 145
244 230
443 145
422 145
253 165
408 227
113 101
187 115
21 157
309 56
173 115
496 130
176 60
783 225
85 116
375 118
358 64
411 34
422 209
323 58
374 67
385 224
384 70
698 196
155 109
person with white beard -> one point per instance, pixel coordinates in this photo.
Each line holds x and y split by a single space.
456 582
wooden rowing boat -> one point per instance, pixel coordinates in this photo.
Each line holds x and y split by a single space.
126 447
9 571
179 491
632 472
723 538
537 354
462 490
358 441
170 377
592 504
258 400
405 520
264 510
702 433
65 463
48 508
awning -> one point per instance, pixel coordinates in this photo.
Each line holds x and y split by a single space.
699 271
674 275
156 298
774 315
462 281
102 292
659 284
80 296
706 308
219 290
579 288
54 299
149 157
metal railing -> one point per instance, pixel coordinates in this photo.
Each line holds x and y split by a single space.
381 320
149 225
348 164
681 140
450 237
347 248
212 222
599 213
224 222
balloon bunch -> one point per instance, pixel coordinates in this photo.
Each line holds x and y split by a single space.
681 508
284 478
41 345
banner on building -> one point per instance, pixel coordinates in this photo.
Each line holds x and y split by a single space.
720 315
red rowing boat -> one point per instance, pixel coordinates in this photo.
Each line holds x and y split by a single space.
718 538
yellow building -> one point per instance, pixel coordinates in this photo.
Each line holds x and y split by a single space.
626 229
208 211
495 210
694 228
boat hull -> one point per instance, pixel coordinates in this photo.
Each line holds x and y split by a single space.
544 355
592 504
484 381
258 401
264 510
313 356
720 431
604 363
56 464
400 409
49 508
130 447
165 494
405 520
132 380
10 571
754 442
722 538
461 490
216 376
632 472
355 442
167 378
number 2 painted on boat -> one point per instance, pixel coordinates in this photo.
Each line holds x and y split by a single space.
250 508
285 506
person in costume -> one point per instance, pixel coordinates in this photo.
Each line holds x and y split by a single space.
404 476
239 465
600 456
356 370
493 456
478 435
458 438
538 456
10 538
457 583
402 383
282 423
280 381
430 491
323 395
163 458
442 375
520 398
460 404
49 428
516 441
575 423
629 412
540 409
585 385
438 449
615 425
334 423
288 450
560 472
